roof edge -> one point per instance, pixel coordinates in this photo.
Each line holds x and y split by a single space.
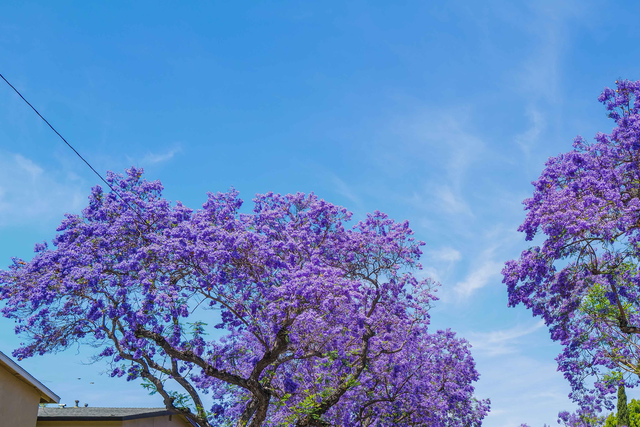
46 395
105 418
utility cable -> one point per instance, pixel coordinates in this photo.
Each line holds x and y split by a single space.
74 150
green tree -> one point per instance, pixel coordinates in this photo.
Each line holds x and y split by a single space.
634 415
623 411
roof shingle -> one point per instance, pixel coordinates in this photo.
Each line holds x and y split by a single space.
98 413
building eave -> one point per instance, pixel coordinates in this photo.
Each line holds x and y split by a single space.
46 395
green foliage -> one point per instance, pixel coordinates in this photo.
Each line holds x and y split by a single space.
596 304
634 415
613 378
180 400
623 412
598 308
148 385
197 328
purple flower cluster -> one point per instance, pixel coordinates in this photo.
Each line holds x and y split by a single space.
580 418
584 280
317 324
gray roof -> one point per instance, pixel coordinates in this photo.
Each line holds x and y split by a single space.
46 395
98 414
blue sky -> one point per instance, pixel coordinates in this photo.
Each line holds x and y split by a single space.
441 113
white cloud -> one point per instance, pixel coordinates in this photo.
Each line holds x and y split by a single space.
527 139
511 379
441 201
429 272
503 341
488 263
485 270
345 190
539 77
440 263
451 202
160 157
28 166
446 254
478 278
28 192
442 143
548 23
443 136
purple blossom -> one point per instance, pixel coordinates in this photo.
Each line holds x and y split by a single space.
317 322
584 278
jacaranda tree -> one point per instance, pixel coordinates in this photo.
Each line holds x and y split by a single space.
282 317
584 279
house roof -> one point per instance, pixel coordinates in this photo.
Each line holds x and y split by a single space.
99 414
46 395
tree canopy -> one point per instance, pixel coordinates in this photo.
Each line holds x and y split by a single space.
584 279
633 413
313 324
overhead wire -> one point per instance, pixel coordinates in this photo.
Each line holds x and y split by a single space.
74 150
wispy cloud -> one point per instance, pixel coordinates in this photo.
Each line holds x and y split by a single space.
345 190
28 166
485 269
440 263
443 139
444 145
446 254
440 201
539 77
549 24
512 378
503 341
451 201
28 191
528 139
478 278
487 264
160 157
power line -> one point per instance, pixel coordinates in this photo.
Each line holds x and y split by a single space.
74 150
